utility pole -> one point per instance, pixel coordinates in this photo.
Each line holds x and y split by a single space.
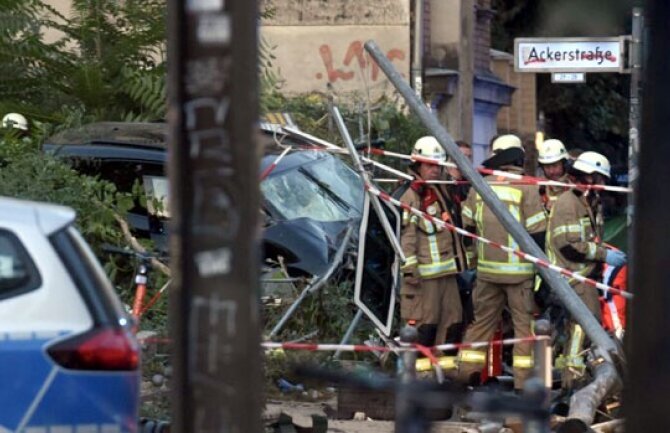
213 169
647 338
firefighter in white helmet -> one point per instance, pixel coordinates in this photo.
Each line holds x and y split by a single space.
553 159
15 121
574 242
429 293
503 280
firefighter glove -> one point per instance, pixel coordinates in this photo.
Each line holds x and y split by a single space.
615 258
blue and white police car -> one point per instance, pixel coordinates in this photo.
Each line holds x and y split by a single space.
69 362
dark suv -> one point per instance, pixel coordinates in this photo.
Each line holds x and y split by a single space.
308 199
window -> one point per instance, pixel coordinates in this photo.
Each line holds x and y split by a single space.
88 275
18 273
156 188
325 191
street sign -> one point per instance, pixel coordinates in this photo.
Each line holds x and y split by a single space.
569 54
568 77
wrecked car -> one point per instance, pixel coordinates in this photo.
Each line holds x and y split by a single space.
308 200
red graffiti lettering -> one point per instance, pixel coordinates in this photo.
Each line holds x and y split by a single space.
333 74
355 51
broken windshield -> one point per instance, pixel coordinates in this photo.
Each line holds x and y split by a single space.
326 191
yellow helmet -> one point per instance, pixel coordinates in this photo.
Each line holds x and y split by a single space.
552 151
504 142
429 147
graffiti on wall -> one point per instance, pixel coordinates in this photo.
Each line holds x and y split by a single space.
355 61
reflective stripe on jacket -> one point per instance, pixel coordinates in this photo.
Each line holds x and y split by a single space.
523 202
431 251
572 236
551 193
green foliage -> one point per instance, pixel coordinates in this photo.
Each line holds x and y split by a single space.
388 121
29 174
590 116
107 62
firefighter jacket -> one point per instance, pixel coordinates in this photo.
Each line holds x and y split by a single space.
523 202
573 236
431 251
551 193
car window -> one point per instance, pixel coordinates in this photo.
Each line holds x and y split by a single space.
295 195
88 275
156 189
18 273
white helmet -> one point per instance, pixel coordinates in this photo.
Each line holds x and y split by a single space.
505 142
552 151
592 162
429 147
15 120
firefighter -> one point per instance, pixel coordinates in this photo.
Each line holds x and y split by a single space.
574 236
502 278
553 159
429 292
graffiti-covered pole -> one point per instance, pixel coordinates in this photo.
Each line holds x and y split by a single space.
213 171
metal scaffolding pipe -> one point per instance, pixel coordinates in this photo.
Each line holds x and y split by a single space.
603 342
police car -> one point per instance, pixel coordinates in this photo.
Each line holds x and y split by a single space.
68 360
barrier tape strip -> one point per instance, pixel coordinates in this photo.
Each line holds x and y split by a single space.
519 177
154 299
274 163
543 182
425 350
565 272
316 347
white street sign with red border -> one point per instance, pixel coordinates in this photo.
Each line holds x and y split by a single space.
569 54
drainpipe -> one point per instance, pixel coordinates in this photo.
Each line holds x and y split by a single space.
417 53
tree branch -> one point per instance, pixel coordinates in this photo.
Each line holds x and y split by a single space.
135 245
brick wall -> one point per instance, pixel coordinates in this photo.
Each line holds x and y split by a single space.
521 117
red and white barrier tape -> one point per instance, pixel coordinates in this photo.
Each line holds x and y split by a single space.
565 272
274 163
315 347
543 182
518 177
479 344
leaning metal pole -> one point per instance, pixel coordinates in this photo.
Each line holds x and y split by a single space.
604 344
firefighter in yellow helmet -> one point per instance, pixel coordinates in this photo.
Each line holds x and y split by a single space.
503 279
429 292
574 242
553 159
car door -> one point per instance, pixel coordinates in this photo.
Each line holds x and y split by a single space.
67 360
